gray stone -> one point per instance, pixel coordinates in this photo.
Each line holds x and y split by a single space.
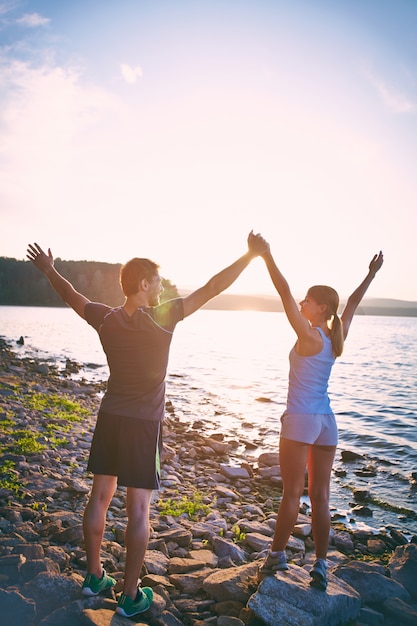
15 609
209 530
403 567
372 588
268 472
30 569
263 528
72 614
234 472
236 583
179 565
52 592
376 546
10 565
72 535
268 458
403 613
192 583
224 548
288 599
218 446
156 562
205 556
370 617
343 541
296 545
228 607
257 541
226 620
31 551
168 619
178 535
224 492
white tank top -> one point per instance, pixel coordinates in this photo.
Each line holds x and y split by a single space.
308 380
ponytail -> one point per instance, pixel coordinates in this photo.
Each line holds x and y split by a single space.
336 335
323 294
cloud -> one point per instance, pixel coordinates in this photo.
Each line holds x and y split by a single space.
32 20
396 101
130 74
6 7
53 130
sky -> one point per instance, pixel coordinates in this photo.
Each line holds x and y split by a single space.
169 129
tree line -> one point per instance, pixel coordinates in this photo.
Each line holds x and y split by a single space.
22 284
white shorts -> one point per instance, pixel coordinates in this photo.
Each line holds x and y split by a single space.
314 429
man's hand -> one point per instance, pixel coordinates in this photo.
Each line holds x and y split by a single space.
39 258
257 244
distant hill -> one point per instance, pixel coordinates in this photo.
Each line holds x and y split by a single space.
369 306
385 306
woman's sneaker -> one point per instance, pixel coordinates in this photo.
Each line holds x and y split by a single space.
274 562
128 607
318 574
92 585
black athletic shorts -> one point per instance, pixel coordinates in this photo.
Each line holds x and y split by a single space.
128 448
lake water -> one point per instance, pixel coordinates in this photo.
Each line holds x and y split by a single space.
229 370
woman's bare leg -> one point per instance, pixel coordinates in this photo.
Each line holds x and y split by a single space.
293 460
320 463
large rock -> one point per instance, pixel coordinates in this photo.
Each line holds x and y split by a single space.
15 609
401 612
368 580
72 614
52 592
288 599
403 567
234 583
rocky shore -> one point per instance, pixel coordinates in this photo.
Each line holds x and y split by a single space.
211 525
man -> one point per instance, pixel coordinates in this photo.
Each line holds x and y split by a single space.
128 438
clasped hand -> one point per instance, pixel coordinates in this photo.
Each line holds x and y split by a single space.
257 244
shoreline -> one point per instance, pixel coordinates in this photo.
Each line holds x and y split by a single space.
351 472
211 517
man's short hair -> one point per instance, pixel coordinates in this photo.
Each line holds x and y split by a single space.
135 270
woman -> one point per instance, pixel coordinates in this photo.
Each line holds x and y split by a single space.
309 431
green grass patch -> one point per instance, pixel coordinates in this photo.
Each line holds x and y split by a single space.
239 535
26 442
61 414
371 558
193 507
6 425
58 407
9 478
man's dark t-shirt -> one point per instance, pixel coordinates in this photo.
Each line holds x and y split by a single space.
137 350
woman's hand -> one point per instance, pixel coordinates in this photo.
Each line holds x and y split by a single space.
376 263
257 244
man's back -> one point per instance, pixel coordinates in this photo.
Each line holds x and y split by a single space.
137 350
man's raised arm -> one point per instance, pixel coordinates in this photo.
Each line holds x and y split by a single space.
45 263
221 281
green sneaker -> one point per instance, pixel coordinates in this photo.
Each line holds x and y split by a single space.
92 585
128 607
